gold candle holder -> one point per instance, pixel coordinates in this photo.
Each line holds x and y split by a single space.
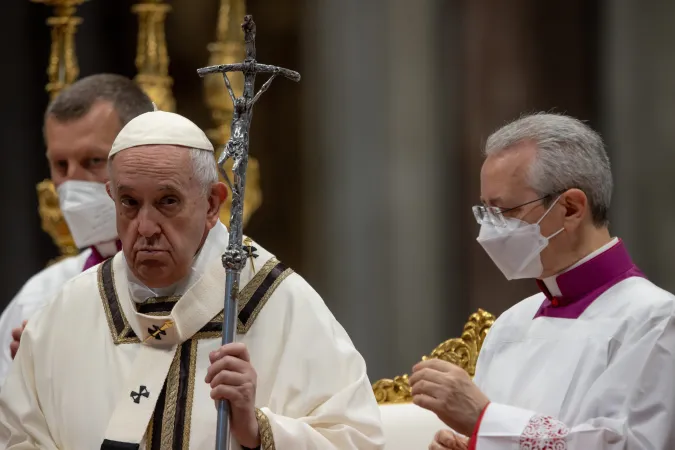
228 48
62 71
152 57
52 220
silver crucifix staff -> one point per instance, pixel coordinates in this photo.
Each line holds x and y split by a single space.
234 258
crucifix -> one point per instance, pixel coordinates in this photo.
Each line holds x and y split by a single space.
234 258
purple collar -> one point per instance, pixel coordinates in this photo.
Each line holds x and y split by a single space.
583 284
96 258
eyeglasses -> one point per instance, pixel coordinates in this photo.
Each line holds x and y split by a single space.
493 215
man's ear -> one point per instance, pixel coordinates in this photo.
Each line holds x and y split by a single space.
217 197
108 190
576 206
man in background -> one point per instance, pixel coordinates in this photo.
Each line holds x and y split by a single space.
588 363
79 128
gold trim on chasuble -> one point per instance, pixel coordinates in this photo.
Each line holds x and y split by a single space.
252 298
170 424
169 427
265 431
117 321
257 291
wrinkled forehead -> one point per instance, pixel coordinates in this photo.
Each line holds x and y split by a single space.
505 175
149 166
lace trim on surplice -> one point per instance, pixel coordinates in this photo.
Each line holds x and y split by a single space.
544 433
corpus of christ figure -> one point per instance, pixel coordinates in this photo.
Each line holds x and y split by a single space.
238 144
234 258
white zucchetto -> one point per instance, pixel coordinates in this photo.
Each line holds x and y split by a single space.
160 128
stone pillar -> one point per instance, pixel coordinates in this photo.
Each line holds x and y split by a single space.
638 110
376 174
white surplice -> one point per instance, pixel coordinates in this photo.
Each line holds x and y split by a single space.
39 290
97 366
602 381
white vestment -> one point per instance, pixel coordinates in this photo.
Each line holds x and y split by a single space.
97 367
599 381
39 290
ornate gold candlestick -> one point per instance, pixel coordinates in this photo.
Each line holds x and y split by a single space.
152 57
52 220
62 71
228 49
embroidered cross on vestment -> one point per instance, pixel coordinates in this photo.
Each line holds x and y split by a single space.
142 391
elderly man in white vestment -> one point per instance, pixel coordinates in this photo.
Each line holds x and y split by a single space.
79 129
130 355
589 362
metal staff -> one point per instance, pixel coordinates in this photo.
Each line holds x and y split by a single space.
234 258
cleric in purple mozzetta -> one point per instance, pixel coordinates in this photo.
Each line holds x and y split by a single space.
589 362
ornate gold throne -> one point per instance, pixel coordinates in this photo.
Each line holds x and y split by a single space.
152 63
407 426
462 351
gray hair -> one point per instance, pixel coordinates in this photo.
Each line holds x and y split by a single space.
570 155
76 100
203 168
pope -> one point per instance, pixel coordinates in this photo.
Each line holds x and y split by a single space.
129 355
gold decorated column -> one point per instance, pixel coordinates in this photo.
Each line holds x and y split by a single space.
228 48
62 71
152 58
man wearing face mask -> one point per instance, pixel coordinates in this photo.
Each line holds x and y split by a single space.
80 127
589 362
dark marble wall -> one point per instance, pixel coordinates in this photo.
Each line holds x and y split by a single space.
520 56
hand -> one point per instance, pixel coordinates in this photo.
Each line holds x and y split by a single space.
16 339
448 440
233 378
447 390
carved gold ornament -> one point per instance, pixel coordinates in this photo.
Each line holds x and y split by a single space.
152 56
63 69
462 351
52 220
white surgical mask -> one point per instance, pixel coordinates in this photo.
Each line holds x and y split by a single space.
516 247
89 212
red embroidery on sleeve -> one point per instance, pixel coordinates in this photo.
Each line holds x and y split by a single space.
474 436
544 433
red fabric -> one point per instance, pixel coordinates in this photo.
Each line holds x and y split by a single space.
555 301
544 290
473 441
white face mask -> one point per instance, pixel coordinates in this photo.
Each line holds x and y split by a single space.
89 212
515 248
